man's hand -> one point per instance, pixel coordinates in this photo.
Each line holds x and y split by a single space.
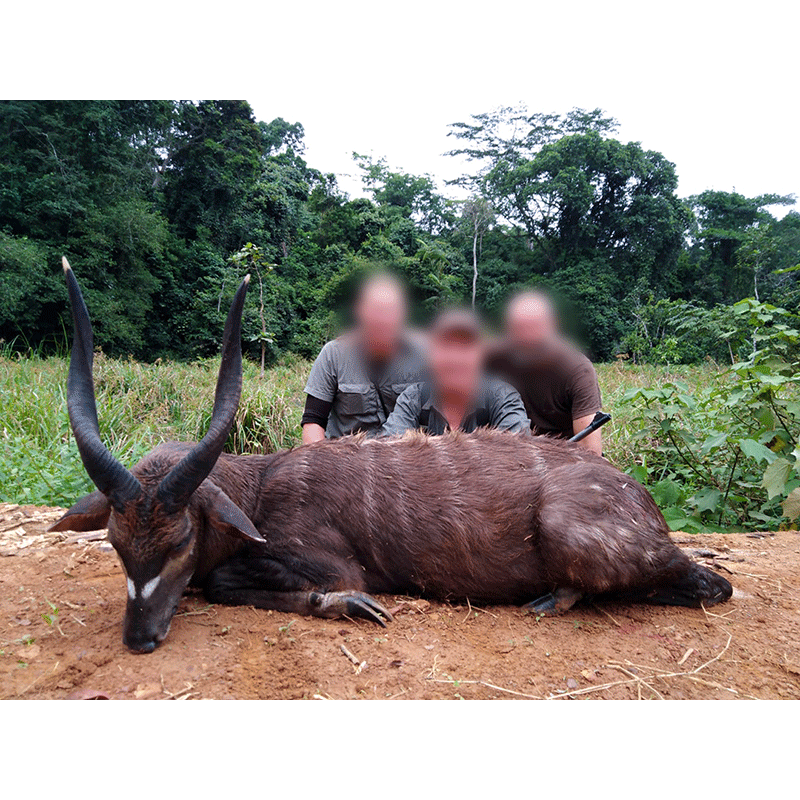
593 442
313 433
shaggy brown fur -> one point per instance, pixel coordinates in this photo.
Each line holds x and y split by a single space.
488 516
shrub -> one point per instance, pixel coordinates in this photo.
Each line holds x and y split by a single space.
726 455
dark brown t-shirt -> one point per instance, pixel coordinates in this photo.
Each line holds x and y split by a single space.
557 383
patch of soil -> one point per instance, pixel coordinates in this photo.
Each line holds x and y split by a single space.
62 600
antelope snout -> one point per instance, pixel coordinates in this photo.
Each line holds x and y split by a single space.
141 638
137 645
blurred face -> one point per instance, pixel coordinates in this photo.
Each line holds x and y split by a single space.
529 321
381 315
456 363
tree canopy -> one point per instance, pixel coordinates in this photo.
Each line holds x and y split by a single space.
161 206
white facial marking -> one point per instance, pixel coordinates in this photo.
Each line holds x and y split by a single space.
131 589
150 587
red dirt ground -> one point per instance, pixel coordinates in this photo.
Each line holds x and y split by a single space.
62 601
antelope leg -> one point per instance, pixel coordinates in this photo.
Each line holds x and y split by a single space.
553 603
349 604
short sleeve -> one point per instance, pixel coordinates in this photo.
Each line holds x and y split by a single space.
585 391
406 414
323 379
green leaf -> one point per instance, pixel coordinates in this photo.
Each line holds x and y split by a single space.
753 449
631 394
791 505
678 520
639 473
706 500
774 380
775 477
667 493
714 441
765 518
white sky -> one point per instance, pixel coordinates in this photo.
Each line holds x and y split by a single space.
712 85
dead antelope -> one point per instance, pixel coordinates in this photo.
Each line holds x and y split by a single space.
490 516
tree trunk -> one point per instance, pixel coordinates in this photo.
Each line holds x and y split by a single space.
474 265
263 321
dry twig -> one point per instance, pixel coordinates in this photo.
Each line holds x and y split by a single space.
358 665
456 683
471 608
603 611
640 681
658 674
183 694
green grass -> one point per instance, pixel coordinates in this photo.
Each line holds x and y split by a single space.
619 444
141 405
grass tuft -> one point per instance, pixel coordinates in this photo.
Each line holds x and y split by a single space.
139 406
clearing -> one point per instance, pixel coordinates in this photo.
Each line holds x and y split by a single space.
62 599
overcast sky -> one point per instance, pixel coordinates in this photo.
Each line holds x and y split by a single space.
711 85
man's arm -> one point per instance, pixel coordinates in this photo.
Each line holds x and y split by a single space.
315 419
586 402
594 441
320 392
508 411
313 433
406 414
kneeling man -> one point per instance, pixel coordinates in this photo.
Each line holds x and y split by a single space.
459 395
356 379
557 383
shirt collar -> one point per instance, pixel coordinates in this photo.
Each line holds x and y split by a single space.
483 397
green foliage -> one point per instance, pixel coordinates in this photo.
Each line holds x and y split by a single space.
139 405
602 216
725 221
407 195
725 454
701 435
151 200
29 292
683 332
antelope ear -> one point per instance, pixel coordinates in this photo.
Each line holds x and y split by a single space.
224 515
90 513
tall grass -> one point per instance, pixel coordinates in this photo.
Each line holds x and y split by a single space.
141 405
619 444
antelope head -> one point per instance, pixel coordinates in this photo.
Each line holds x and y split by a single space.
147 509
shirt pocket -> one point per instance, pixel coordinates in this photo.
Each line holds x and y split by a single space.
356 400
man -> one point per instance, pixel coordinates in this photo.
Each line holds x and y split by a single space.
557 383
356 379
459 395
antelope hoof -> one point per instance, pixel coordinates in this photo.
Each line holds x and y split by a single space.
353 604
554 603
